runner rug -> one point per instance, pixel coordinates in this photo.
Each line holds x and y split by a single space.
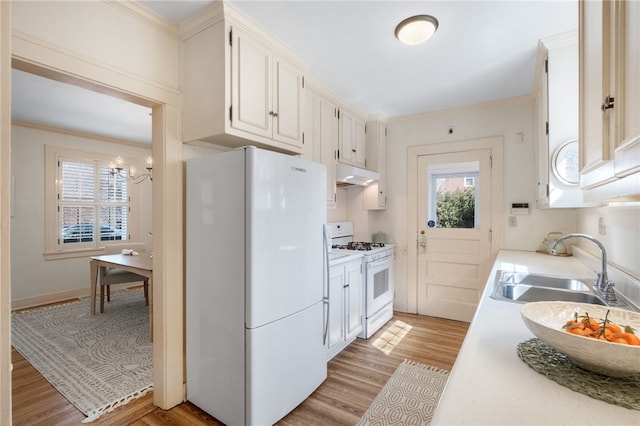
409 397
97 362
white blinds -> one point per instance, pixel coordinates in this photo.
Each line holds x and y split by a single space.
77 181
91 202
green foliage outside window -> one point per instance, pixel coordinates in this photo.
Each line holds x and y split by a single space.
456 209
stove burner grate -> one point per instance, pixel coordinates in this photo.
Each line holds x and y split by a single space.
357 245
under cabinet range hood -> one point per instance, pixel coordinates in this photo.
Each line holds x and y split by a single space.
350 175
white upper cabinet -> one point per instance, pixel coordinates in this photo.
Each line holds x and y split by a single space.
593 81
328 137
352 140
287 105
239 87
321 133
266 91
557 146
609 99
375 195
310 143
251 85
627 139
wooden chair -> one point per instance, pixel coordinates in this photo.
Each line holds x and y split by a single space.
120 276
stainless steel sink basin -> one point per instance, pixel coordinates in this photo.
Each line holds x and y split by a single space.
544 281
527 293
522 287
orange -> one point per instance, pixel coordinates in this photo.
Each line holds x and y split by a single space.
591 323
631 339
613 327
581 331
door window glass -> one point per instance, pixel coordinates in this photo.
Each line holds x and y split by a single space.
454 195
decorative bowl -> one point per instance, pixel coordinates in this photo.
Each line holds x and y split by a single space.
545 320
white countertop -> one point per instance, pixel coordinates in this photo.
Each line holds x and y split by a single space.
490 385
338 257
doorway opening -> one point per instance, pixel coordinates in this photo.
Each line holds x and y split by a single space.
139 231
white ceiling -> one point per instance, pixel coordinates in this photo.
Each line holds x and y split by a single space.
482 51
36 99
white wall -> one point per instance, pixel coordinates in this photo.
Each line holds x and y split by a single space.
201 150
32 275
506 118
621 238
108 34
339 212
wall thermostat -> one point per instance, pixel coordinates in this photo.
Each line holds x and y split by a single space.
519 208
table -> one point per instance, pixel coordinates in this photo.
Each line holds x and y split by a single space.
141 264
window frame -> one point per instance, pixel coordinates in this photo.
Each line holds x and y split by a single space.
54 246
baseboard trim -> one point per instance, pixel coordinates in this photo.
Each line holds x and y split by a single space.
45 299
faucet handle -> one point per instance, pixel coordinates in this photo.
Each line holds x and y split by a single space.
599 284
608 292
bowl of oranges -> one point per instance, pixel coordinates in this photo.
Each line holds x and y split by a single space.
597 338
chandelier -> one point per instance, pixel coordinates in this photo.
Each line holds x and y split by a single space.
117 167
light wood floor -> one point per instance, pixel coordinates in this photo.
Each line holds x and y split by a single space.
355 377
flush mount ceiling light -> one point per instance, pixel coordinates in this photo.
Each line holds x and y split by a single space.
416 29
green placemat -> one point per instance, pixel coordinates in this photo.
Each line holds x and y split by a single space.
622 391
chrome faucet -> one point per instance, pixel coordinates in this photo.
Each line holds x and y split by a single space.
603 284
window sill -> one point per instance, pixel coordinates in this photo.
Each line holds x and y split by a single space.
70 254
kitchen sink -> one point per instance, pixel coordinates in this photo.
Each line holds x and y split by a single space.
544 281
527 293
522 287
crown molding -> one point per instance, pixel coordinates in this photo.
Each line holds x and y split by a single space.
80 134
146 16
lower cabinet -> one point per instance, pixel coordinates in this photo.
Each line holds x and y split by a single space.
345 305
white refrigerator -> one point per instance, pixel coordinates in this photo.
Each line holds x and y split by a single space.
254 284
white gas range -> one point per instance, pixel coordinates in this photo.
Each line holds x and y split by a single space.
378 263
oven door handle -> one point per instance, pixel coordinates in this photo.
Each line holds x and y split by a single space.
380 262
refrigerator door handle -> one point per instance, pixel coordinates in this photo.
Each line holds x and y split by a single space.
325 299
326 322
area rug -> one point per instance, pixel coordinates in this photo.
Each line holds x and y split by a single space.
409 397
97 362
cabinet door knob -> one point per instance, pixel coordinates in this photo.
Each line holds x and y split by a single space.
608 103
353 150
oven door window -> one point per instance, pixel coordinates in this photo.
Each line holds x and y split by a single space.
380 283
